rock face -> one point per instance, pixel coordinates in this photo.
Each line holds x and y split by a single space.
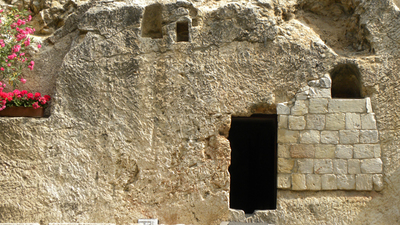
143 95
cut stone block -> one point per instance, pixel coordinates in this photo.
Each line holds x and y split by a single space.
368 105
364 151
371 165
340 166
329 137
315 122
377 150
300 108
283 151
282 109
299 182
283 121
364 182
328 182
284 181
323 166
302 151
316 92
347 105
349 136
285 165
313 182
297 123
288 136
377 180
335 121
368 121
310 137
318 105
368 136
344 152
353 121
354 166
346 182
305 165
323 151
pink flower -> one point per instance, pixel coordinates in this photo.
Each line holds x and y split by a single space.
22 53
37 95
23 80
24 92
29 18
47 97
9 64
2 68
39 45
32 63
30 96
2 10
16 48
12 56
35 105
42 100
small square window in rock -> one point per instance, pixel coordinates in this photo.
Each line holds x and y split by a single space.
182 31
152 21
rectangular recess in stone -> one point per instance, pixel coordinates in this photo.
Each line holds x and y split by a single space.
152 21
253 141
182 31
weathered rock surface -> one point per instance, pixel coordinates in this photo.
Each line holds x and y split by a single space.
138 126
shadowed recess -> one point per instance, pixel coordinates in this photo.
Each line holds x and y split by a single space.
182 31
152 21
346 81
253 167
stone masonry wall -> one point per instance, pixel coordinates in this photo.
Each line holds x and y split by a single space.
328 144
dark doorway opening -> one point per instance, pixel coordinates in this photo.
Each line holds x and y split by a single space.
346 81
253 165
182 31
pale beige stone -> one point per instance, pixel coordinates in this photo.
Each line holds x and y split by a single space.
305 165
349 136
354 166
297 123
299 182
344 151
377 180
330 137
283 121
347 105
364 151
368 136
353 121
377 151
318 105
310 137
288 136
285 165
340 166
335 121
284 181
329 182
364 182
315 122
324 151
300 108
368 104
313 182
316 92
283 151
302 151
371 165
282 109
368 121
323 166
346 182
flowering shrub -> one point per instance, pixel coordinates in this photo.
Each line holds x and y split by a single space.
14 39
22 98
